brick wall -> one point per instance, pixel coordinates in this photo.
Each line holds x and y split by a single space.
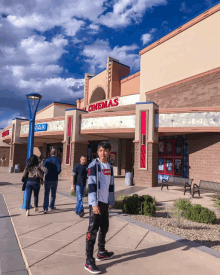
19 155
203 91
77 150
204 152
146 177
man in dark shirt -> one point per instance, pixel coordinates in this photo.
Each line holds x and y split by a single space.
53 165
79 177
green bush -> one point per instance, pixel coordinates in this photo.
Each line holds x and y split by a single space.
217 203
119 202
182 204
142 205
86 194
197 213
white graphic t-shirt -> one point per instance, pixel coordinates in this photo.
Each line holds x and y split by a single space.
105 178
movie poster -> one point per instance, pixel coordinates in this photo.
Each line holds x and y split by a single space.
178 166
169 165
160 165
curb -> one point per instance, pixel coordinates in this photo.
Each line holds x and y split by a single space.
19 244
171 236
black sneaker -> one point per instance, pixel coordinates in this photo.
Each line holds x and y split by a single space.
81 215
91 266
104 255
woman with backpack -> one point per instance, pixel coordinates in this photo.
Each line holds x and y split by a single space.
32 177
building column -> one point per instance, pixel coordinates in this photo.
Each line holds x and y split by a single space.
146 146
74 145
19 153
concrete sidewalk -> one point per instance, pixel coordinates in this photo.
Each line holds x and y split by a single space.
55 243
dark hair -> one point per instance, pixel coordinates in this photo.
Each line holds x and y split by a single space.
32 161
83 156
104 144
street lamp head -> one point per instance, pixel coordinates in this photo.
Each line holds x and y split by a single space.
33 102
34 96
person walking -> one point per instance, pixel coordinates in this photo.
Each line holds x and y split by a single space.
79 177
101 195
3 161
53 165
32 176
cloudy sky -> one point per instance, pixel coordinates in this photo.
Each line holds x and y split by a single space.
46 46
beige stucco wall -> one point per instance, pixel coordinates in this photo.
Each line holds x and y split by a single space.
191 52
98 80
48 113
60 110
131 86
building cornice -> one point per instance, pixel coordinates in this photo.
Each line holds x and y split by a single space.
182 28
46 120
109 114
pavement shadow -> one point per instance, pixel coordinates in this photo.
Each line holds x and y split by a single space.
10 216
138 254
5 183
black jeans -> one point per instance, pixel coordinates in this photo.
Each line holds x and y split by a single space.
35 186
97 222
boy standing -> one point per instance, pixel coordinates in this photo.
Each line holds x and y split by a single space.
101 195
79 177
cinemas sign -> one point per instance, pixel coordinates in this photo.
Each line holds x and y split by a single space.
102 105
5 133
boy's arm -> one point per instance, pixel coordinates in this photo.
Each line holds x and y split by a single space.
92 186
111 196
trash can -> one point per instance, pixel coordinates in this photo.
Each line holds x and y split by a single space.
10 169
128 178
17 168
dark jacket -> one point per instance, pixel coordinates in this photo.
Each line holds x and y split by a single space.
53 165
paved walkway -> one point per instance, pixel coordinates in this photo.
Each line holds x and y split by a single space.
55 243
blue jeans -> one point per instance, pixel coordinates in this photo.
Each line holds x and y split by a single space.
49 186
35 186
80 193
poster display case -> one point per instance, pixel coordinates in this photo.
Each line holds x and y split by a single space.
170 153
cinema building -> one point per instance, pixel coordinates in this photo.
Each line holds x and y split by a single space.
163 120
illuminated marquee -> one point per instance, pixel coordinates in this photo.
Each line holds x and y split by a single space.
101 105
5 133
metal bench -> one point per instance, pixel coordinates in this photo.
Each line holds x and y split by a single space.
172 180
206 185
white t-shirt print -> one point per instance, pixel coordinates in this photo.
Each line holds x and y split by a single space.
105 179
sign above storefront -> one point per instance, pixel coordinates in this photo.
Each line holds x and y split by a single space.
40 127
102 105
5 133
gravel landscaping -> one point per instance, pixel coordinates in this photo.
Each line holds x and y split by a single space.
205 234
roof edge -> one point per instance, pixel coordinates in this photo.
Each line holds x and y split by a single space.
182 28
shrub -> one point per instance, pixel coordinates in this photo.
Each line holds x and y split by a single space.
217 203
197 213
143 205
182 204
119 202
86 194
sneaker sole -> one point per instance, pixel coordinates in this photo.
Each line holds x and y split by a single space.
93 272
99 260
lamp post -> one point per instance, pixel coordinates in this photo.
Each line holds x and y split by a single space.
33 102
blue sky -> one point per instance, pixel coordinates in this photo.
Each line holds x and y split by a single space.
47 46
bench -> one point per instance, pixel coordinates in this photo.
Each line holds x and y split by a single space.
206 185
172 180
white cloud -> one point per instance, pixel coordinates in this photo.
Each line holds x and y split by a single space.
7 120
184 8
147 37
127 11
94 27
97 53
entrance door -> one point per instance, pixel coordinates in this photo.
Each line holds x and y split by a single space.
170 160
